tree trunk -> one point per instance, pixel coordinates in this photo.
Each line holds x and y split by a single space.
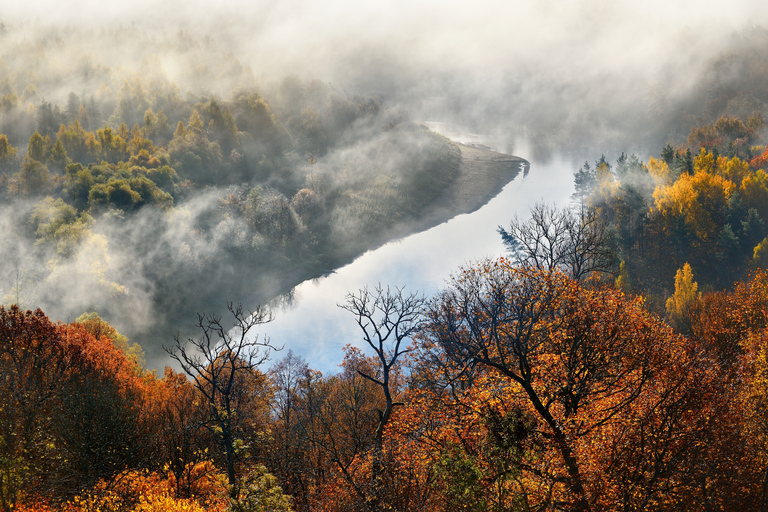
581 504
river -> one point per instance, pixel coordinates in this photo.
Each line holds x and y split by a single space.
314 327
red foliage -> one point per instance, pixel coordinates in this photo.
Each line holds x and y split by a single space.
760 161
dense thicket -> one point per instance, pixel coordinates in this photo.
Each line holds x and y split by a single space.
702 204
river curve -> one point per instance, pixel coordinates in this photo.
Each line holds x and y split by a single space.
308 320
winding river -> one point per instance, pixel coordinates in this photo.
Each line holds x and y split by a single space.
314 327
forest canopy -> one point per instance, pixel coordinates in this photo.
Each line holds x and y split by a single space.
615 359
146 198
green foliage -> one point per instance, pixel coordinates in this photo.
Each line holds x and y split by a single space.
36 147
760 254
706 210
77 184
128 194
34 178
336 174
49 117
74 138
58 222
7 155
220 124
585 181
138 143
668 154
163 176
194 156
132 102
254 117
110 146
58 156
461 479
195 123
259 491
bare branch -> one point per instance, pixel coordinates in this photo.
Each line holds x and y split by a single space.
387 318
219 360
576 243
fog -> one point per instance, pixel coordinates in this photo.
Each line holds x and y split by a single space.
583 78
589 70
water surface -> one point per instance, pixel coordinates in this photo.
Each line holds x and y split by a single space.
313 326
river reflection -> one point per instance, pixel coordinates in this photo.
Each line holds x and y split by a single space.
312 325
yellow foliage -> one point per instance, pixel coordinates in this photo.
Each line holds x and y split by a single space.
754 192
698 199
622 280
686 293
181 131
760 254
166 503
195 123
660 171
95 501
607 189
704 162
732 169
603 173
136 491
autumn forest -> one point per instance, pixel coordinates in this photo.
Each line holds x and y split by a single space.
616 359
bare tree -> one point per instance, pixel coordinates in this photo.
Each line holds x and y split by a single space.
387 318
576 243
220 362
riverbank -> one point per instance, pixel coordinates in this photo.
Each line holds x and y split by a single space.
310 324
482 175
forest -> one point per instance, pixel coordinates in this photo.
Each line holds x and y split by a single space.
149 202
615 359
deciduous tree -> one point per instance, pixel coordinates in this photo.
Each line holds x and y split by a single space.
578 244
221 362
590 367
388 319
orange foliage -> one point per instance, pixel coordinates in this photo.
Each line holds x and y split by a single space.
614 410
528 390
142 491
723 320
176 413
80 410
760 161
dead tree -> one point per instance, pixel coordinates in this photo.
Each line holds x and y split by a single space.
220 362
388 318
576 243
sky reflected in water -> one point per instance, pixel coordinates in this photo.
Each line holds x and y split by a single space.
313 326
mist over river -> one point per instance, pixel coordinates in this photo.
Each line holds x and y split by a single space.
308 320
